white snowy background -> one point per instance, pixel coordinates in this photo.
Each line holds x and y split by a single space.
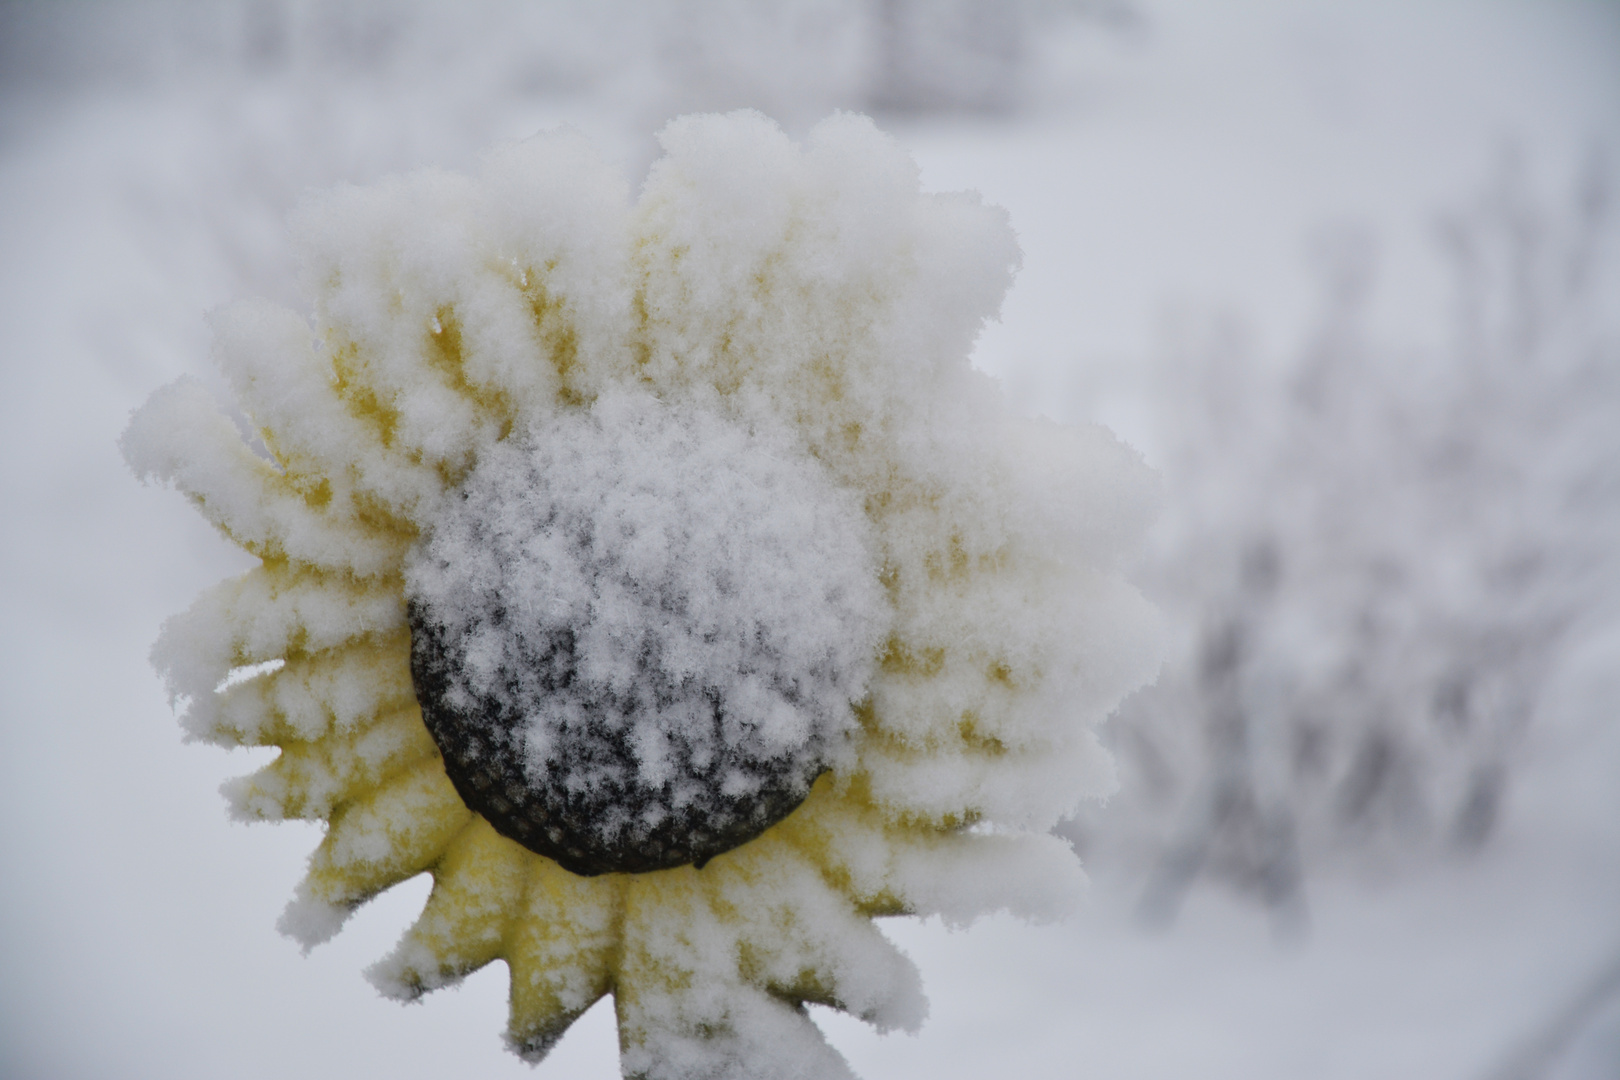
1164 161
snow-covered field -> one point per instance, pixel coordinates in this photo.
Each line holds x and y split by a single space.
1178 160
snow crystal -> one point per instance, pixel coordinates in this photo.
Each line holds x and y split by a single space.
638 634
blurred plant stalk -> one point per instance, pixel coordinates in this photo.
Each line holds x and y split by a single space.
1385 554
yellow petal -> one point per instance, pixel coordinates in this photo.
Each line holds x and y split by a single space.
269 613
394 833
477 888
311 779
311 694
561 952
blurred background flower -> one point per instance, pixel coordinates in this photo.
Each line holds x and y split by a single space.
1345 274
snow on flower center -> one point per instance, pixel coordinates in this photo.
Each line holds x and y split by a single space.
637 635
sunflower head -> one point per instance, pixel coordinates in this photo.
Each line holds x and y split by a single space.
660 578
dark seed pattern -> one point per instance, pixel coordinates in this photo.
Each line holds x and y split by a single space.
589 809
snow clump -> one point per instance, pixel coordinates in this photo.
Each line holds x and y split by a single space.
637 635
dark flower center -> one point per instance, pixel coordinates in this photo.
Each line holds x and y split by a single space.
636 638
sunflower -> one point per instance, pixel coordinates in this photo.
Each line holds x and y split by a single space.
659 577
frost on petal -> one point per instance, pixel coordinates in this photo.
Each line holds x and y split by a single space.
696 498
477 887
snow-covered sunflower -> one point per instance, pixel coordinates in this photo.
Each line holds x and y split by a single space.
660 578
